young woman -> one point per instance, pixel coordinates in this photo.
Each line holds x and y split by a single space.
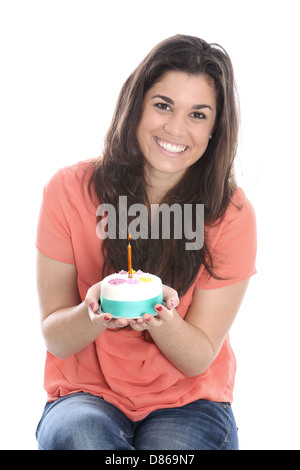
165 381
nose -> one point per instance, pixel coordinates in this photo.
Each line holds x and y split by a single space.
175 125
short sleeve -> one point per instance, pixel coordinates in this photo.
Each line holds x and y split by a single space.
233 247
53 232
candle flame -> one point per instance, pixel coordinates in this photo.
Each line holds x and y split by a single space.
129 237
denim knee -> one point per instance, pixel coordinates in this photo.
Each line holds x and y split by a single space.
83 422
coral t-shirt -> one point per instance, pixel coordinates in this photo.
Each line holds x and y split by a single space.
121 367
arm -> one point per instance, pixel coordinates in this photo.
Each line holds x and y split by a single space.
68 325
192 343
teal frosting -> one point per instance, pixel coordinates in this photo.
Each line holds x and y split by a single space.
130 309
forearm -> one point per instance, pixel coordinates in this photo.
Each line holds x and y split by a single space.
186 346
69 330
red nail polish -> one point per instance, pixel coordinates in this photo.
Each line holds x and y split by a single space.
159 309
92 305
148 319
106 318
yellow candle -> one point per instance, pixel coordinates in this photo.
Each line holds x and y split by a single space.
129 257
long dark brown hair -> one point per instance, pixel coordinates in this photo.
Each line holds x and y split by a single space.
209 181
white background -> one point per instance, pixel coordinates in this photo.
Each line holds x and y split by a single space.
63 63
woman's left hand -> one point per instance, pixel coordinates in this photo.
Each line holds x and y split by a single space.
165 314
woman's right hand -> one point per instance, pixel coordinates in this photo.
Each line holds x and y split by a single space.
103 319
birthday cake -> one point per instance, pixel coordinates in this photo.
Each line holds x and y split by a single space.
130 297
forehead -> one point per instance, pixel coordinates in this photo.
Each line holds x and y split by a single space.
191 89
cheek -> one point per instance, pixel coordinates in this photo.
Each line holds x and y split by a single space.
150 120
201 137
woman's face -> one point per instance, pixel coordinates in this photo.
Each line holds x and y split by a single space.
177 121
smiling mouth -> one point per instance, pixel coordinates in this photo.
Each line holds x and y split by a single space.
173 148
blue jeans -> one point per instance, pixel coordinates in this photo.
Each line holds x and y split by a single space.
85 422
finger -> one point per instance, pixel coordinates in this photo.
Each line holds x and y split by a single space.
121 322
164 313
101 319
93 296
93 307
172 303
151 320
142 323
170 297
136 326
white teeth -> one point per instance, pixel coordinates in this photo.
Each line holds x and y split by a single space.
170 147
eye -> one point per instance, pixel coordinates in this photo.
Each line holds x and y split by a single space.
198 115
163 106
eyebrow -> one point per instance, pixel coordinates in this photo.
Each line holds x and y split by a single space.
165 98
170 101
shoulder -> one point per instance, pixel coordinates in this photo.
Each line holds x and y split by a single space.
238 218
239 221
71 175
69 183
239 207
64 205
232 242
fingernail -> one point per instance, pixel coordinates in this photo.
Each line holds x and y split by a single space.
106 318
92 305
148 319
172 303
159 309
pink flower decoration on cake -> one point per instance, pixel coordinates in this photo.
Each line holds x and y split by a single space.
122 272
117 281
133 281
139 272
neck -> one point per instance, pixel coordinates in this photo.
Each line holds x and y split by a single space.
160 183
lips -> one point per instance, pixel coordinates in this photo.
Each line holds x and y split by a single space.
170 147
